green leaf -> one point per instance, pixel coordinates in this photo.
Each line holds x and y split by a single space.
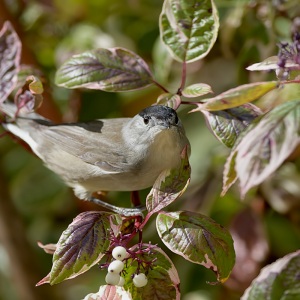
229 174
279 280
189 28
34 84
196 90
168 99
163 279
228 124
170 185
111 70
10 53
237 96
198 239
266 144
82 245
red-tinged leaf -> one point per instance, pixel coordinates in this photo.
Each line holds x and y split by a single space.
170 185
109 292
168 99
29 97
26 71
111 70
163 279
198 239
35 85
266 144
237 96
46 279
229 174
82 244
271 63
10 52
196 90
227 125
189 28
279 280
49 248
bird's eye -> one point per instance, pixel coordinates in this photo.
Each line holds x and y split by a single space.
146 120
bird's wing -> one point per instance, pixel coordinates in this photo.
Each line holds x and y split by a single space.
97 143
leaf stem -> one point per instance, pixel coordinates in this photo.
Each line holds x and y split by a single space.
183 79
160 86
145 220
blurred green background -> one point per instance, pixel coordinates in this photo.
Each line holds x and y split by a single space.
36 206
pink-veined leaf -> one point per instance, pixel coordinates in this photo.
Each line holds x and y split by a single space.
196 90
279 280
228 124
111 70
265 145
10 52
48 248
170 185
29 97
237 96
198 239
168 99
109 292
82 245
271 63
229 173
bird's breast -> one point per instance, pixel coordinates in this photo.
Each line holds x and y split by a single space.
163 153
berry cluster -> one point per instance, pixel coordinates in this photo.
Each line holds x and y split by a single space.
115 268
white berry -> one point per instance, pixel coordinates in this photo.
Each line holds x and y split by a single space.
115 266
140 280
119 253
112 278
122 281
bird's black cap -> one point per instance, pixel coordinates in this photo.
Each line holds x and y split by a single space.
159 112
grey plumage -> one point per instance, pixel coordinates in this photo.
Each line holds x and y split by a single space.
122 154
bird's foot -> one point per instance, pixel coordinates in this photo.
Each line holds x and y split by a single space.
126 212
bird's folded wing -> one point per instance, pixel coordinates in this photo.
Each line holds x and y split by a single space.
97 143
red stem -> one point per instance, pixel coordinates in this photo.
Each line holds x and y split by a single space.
160 86
183 76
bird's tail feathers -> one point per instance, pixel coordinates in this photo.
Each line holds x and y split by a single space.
10 110
18 121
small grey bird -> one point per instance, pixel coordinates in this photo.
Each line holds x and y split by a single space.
122 154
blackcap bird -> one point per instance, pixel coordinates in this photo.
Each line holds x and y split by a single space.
121 154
